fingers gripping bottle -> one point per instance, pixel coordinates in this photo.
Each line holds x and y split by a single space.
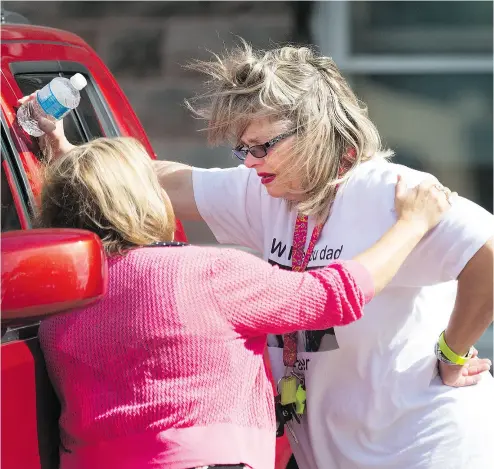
53 102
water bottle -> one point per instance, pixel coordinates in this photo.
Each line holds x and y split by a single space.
53 102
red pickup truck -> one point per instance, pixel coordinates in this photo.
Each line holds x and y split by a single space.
47 272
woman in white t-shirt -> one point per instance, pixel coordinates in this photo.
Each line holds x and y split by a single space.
391 390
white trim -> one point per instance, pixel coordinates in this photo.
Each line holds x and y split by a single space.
438 40
380 64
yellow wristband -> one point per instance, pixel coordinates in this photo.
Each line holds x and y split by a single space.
449 354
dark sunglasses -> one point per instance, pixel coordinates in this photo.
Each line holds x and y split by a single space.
259 151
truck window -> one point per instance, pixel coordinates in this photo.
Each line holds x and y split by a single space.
80 125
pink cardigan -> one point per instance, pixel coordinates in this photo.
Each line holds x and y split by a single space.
167 371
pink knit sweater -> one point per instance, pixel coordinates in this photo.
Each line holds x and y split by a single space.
167 371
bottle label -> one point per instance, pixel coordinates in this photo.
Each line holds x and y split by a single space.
50 104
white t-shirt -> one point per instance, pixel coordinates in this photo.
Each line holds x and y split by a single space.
374 399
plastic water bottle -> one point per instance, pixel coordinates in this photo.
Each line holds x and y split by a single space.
52 102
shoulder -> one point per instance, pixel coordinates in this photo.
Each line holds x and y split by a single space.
378 173
237 258
376 180
162 258
236 177
373 182
229 182
234 170
199 255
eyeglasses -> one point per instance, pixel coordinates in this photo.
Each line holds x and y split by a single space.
259 151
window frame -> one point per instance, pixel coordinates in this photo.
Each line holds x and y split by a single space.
332 29
66 69
101 108
22 195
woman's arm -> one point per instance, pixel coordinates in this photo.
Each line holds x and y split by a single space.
472 314
257 298
54 142
260 299
176 179
473 309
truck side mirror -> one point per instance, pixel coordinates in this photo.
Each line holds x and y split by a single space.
48 271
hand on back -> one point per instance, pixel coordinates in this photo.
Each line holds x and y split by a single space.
424 205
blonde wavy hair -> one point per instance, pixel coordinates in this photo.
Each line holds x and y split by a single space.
107 186
307 93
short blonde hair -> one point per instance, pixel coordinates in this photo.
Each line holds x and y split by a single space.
107 186
307 93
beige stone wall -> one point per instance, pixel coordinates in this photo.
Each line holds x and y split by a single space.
145 44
